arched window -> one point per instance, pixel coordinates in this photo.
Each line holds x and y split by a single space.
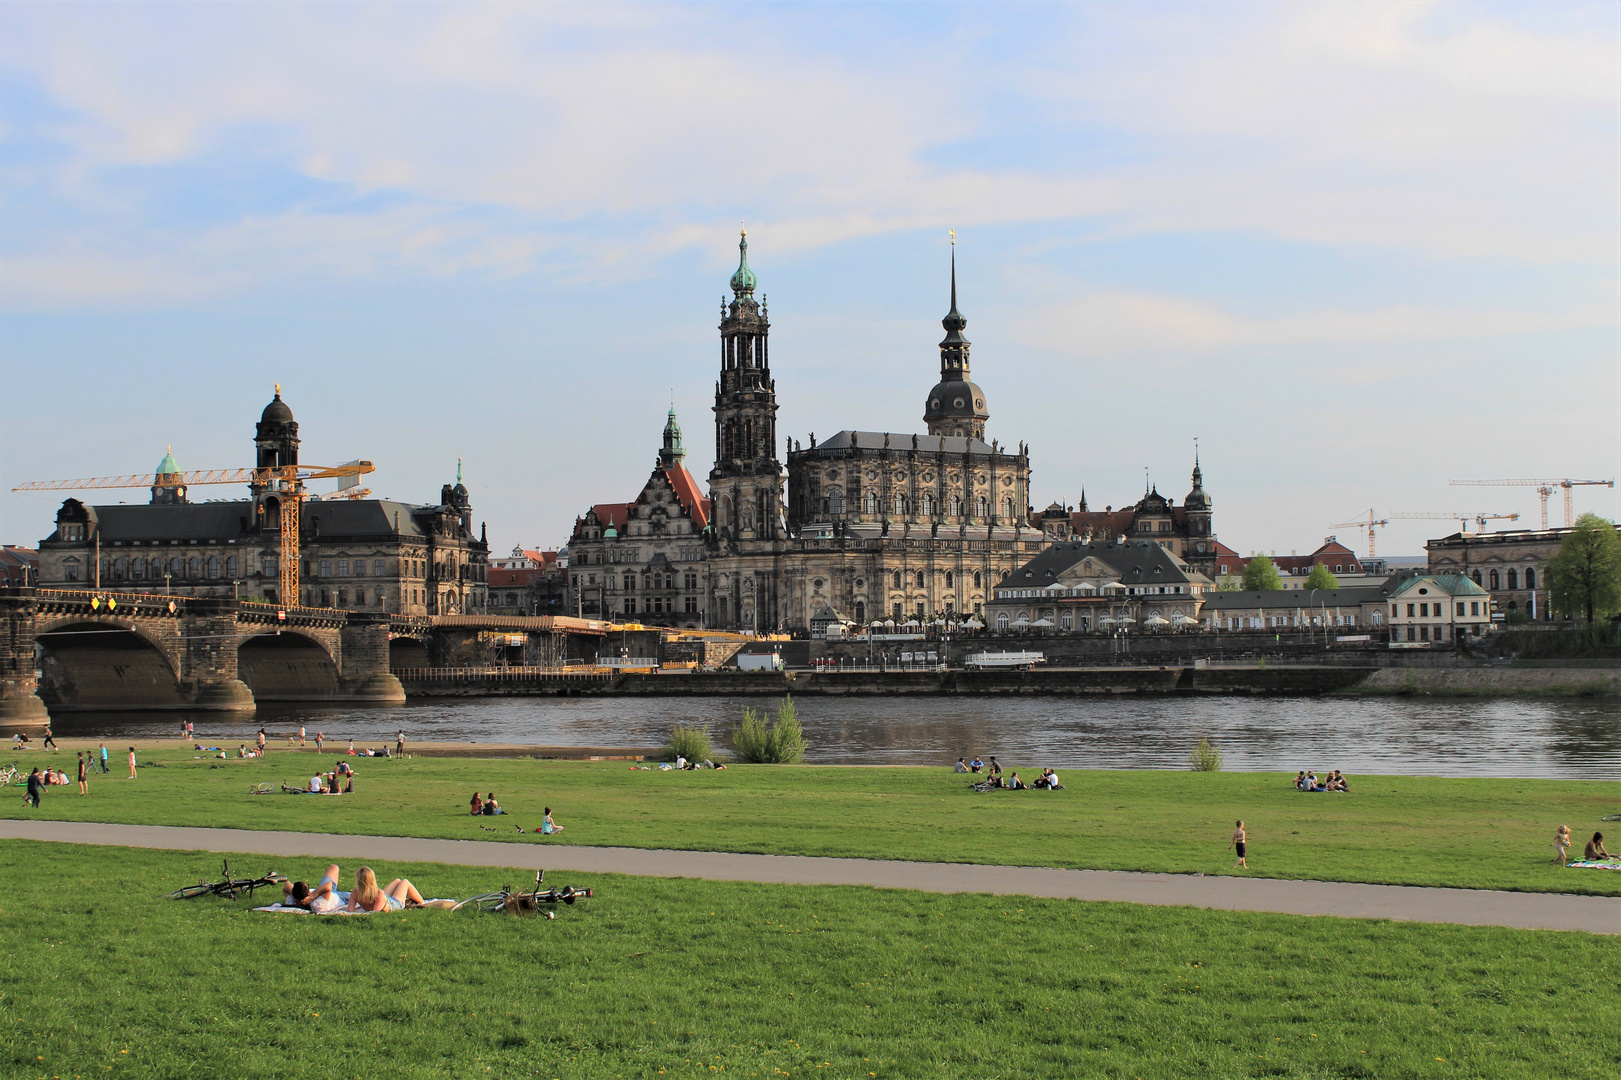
1001 622
869 505
920 579
1007 508
230 566
174 566
861 612
928 505
976 579
897 579
1530 578
955 506
213 566
1514 579
140 567
982 507
900 506
1477 577
950 579
1494 586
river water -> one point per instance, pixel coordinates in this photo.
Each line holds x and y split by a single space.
1576 739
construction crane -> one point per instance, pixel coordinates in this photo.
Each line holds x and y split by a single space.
1371 521
287 482
1544 488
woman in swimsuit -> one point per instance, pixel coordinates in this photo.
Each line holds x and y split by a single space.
1240 845
397 895
1594 851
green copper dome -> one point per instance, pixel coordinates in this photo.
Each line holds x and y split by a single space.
744 280
168 466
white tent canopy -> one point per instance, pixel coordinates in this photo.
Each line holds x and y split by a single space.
1043 622
1155 620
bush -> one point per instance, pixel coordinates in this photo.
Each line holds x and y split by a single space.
757 741
691 743
1205 757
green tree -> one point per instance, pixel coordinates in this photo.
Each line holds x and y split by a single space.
1259 573
1320 578
1584 576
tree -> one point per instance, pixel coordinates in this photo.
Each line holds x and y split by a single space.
1584 576
1260 574
1320 578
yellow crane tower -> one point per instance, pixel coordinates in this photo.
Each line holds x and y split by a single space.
286 481
1544 488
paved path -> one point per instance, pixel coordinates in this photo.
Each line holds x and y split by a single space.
1474 907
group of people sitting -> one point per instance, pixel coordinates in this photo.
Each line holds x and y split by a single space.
1334 781
488 807
327 899
52 777
684 764
340 781
1047 781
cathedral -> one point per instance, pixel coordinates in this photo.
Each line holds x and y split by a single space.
875 525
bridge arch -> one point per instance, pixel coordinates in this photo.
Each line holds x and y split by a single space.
105 663
287 666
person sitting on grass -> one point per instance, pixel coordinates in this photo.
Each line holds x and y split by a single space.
976 765
395 896
476 807
491 807
961 766
315 784
1311 782
1300 781
1594 851
547 825
1048 780
1015 784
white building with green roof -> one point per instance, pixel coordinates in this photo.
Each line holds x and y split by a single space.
1438 609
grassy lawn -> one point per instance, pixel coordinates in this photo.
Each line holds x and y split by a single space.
660 978
1475 833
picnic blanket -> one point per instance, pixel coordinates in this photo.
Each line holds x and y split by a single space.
1613 864
293 909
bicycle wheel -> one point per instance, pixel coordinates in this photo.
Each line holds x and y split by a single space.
191 891
485 902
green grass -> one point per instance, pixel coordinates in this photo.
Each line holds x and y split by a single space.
660 978
1475 833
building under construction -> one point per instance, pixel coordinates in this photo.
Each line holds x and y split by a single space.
371 555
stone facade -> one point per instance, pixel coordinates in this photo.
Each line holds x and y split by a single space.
875 524
363 555
644 561
1506 564
1187 531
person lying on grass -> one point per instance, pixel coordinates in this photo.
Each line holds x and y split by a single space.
395 896
322 900
1594 851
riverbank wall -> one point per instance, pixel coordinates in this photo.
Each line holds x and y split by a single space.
1232 679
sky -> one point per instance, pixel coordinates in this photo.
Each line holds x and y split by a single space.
1357 251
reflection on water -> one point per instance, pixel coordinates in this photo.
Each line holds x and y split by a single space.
1570 739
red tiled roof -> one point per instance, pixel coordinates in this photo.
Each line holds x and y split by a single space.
691 496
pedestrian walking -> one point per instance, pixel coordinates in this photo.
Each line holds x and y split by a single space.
261 740
301 735
50 740
318 742
185 730
36 784
191 731
399 744
104 769
132 763
1240 845
84 774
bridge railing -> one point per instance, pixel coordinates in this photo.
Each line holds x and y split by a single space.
496 673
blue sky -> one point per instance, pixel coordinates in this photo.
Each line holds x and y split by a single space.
1357 250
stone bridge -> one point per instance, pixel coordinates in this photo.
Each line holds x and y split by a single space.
98 650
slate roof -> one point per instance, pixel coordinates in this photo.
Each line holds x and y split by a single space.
225 520
874 440
1135 561
1292 599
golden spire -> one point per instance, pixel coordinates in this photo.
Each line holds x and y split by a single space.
953 237
278 389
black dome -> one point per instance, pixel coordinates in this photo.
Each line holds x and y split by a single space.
956 398
276 412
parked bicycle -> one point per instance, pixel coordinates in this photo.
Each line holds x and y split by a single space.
12 775
230 888
528 904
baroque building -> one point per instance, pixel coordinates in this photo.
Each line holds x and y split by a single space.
1187 531
875 525
643 561
371 555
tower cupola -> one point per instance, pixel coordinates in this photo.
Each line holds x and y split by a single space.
956 406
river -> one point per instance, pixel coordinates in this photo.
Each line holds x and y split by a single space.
1574 739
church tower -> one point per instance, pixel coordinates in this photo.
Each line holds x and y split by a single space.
1198 506
955 406
672 452
169 488
746 482
275 441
